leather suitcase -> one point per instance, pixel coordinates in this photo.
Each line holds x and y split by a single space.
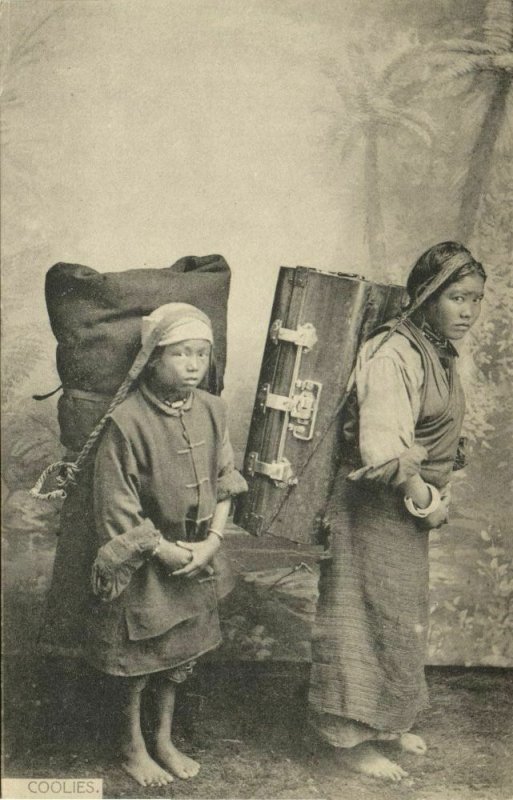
318 321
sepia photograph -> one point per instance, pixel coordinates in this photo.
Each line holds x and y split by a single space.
257 418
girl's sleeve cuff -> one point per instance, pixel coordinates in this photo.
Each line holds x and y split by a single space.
119 558
230 485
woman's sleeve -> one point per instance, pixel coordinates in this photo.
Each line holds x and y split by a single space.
230 482
388 388
126 537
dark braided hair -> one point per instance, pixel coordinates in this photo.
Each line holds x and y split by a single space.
430 264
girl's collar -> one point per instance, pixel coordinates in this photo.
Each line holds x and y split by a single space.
174 404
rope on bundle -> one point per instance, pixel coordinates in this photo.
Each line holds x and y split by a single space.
67 471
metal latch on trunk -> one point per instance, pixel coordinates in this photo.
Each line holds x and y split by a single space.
301 406
304 336
280 472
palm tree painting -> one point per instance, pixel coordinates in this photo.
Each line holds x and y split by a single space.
20 51
29 433
412 176
489 66
375 108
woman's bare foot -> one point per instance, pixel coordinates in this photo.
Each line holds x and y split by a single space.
182 766
411 743
140 766
365 759
381 736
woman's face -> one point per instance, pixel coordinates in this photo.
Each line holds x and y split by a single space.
182 365
455 311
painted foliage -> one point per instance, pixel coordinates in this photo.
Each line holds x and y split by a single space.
415 116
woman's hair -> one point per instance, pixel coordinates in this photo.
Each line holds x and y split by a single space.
430 264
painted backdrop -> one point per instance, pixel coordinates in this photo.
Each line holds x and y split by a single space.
346 135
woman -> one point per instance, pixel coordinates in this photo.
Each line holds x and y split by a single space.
369 646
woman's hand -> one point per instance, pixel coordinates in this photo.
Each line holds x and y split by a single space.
418 490
445 493
172 556
420 493
439 516
201 554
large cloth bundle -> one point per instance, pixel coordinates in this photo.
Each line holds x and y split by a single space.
96 319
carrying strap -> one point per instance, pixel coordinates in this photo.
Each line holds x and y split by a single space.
47 395
91 397
66 472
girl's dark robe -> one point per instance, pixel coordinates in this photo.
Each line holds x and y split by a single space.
372 619
159 470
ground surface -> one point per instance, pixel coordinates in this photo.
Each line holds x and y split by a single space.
246 724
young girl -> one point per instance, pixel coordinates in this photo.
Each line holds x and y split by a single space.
369 648
163 479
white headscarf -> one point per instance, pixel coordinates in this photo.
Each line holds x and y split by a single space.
177 322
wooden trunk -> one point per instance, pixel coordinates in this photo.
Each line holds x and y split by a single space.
318 321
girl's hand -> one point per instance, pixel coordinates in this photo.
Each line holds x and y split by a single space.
172 556
201 554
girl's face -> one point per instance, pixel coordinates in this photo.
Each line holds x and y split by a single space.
455 311
182 365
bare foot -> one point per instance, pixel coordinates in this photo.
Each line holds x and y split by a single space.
411 743
144 769
365 759
386 737
182 766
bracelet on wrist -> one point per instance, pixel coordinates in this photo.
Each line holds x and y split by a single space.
216 533
434 503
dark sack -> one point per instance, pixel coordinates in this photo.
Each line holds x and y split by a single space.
96 319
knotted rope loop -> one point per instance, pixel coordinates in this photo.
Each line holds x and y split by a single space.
67 471
64 472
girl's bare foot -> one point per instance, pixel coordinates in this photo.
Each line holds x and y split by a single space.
141 767
411 743
365 759
182 766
